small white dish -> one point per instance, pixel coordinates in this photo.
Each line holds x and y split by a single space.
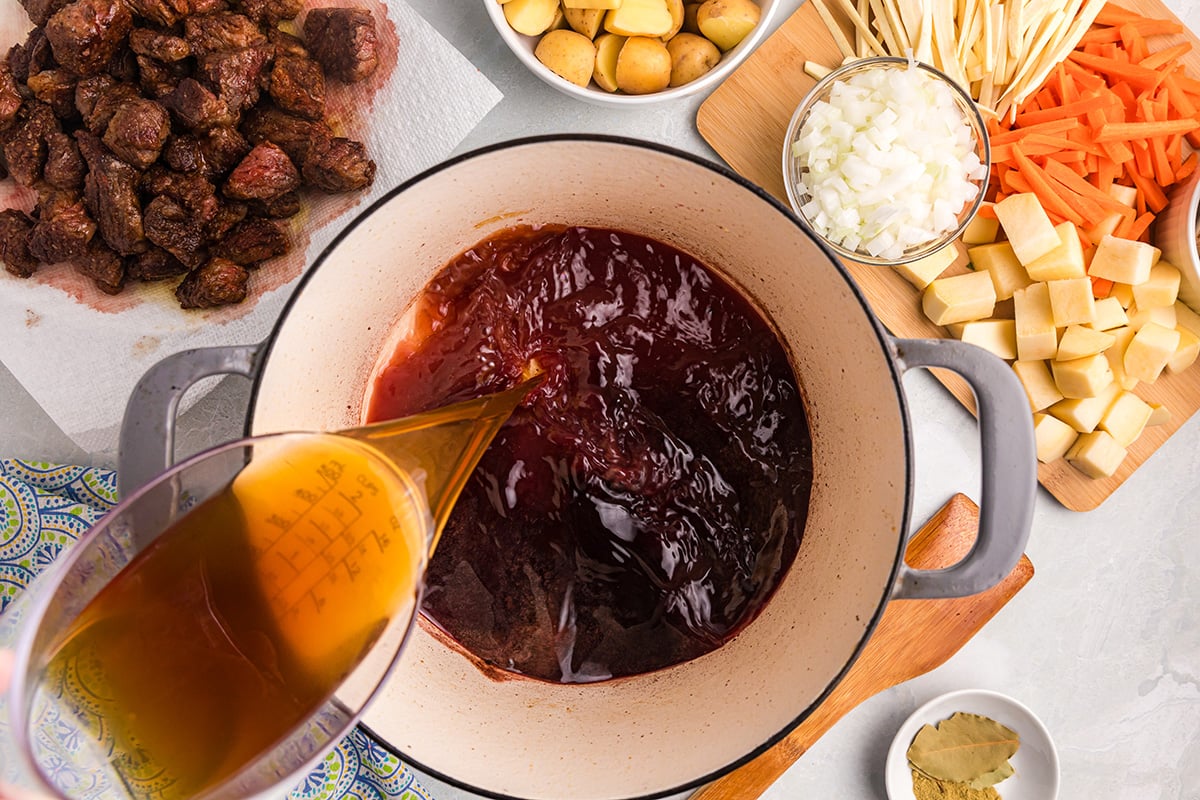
1036 761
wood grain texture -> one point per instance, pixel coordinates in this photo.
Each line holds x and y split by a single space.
745 120
913 637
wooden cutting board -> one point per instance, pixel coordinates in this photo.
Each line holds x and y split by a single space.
745 121
913 637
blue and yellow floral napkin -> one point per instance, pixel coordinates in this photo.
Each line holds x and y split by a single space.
44 508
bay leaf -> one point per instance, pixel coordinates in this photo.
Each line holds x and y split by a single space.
963 747
1004 772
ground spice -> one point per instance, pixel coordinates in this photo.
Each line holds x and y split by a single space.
927 788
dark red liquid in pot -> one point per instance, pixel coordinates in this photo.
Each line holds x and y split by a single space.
641 506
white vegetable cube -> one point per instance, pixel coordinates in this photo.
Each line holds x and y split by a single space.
1039 385
1159 415
1126 418
1123 292
1116 357
1078 341
1186 351
923 271
1001 263
1186 318
959 298
981 229
1160 289
1125 195
1053 437
1071 302
1084 413
997 335
1029 230
1064 261
1123 260
1109 314
1149 351
1163 315
1107 226
1096 454
1082 377
1037 336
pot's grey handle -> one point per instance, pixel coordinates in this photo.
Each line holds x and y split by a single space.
1009 480
147 443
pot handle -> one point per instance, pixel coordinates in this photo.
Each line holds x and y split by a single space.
147 439
1009 480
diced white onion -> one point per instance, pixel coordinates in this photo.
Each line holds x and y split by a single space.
890 162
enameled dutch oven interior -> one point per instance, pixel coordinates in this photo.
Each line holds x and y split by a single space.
665 731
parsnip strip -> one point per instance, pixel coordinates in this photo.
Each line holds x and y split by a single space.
860 40
885 29
835 30
861 27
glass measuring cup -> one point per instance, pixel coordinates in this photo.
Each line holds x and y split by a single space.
226 624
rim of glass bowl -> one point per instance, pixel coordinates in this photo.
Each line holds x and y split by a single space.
792 172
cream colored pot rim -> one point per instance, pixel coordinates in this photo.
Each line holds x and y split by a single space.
886 346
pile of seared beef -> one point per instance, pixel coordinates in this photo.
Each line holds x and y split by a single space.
170 138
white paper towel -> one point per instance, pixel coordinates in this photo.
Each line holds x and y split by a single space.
79 352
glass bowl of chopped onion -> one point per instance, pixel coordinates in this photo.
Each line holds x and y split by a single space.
886 160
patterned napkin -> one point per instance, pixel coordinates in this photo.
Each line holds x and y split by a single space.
44 508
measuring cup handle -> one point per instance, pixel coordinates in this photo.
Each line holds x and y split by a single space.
147 442
1009 480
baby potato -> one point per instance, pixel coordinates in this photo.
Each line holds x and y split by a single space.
677 13
689 18
568 54
608 47
691 57
726 22
643 66
585 20
531 17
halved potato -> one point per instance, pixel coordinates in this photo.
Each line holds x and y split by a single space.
727 22
643 65
608 47
691 57
568 54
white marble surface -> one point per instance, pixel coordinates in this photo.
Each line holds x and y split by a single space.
1103 644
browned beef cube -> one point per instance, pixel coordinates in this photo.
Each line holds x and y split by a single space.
344 41
137 132
158 45
31 57
236 75
124 66
225 30
206 6
182 153
172 228
264 173
25 144
55 88
285 44
219 282
10 97
86 34
98 97
227 217
191 190
298 86
64 165
253 241
156 78
271 12
196 107
111 193
294 135
103 266
282 207
338 165
14 243
161 12
155 264
41 10
223 149
63 229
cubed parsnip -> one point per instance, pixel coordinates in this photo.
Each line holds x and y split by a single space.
1002 264
1126 418
1116 357
1082 377
1071 301
1163 315
601 4
1149 351
1107 226
1123 292
1123 260
1096 454
1053 437
1037 336
1125 195
639 18
1159 415
959 298
1039 385
1109 314
1029 230
1160 289
1185 317
1084 413
981 229
996 335
924 271
1064 261
531 17
1185 352
1078 341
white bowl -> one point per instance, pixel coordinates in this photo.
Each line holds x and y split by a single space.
1036 761
1175 235
523 47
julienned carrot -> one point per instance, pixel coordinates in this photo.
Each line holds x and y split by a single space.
1101 287
1050 199
1166 56
1124 131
